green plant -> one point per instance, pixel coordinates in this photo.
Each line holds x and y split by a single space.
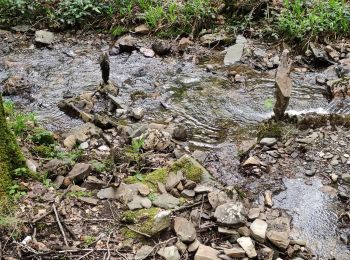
118 30
72 156
9 107
16 191
89 240
99 167
42 136
154 16
21 172
268 103
80 193
135 153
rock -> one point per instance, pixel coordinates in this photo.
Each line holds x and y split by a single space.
16 85
252 161
279 238
127 43
181 246
184 43
118 102
268 141
231 213
206 253
161 188
188 193
161 48
185 230
180 133
235 252
70 141
169 253
58 181
258 229
265 253
190 185
84 146
173 180
79 172
143 189
143 252
88 200
235 52
157 140
137 113
108 193
166 201
268 198
214 39
149 53
139 202
203 189
247 244
31 165
253 213
227 231
194 246
142 29
244 231
44 37
346 177
217 198
22 28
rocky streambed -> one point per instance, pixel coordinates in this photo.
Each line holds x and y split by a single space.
287 197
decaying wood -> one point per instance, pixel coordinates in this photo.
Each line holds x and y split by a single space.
283 86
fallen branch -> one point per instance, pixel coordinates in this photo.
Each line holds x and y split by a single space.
60 225
189 206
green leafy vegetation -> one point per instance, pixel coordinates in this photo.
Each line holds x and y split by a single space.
305 19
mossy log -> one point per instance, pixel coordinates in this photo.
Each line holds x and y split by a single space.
11 156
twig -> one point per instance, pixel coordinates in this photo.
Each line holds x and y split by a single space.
109 251
138 232
200 212
189 206
88 253
59 224
69 230
110 207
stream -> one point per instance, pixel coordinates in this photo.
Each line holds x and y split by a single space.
218 110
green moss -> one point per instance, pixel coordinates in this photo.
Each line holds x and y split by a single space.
150 179
42 136
190 170
270 129
44 151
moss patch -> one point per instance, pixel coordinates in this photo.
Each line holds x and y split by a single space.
150 179
191 171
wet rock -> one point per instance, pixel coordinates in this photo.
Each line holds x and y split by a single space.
44 37
251 161
231 214
206 253
185 230
235 52
217 198
247 244
265 254
279 238
166 201
193 247
235 252
161 48
268 198
180 133
258 229
143 252
127 43
142 29
214 39
268 141
169 253
108 193
137 113
157 140
79 172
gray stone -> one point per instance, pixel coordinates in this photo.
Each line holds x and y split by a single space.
279 238
44 37
88 200
268 198
173 180
235 252
182 247
166 201
346 177
258 229
108 193
231 213
143 189
268 141
169 253
142 29
244 231
227 231
194 246
185 230
265 253
137 113
127 43
139 202
180 133
143 252
58 181
217 198
247 244
188 193
253 213
206 253
203 189
79 172
252 161
157 140
149 53
235 52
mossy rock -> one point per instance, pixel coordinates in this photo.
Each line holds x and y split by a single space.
147 221
191 169
150 179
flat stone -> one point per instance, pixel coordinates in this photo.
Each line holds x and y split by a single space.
217 198
127 43
44 37
142 29
227 231
203 189
231 213
206 253
253 213
169 253
279 239
166 201
190 185
143 252
268 141
244 231
79 172
149 53
194 246
173 180
258 229
247 244
235 252
188 193
252 161
234 53
185 230
108 193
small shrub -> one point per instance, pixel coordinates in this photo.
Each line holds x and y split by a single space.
42 136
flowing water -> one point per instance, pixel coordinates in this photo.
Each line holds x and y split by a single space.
218 110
